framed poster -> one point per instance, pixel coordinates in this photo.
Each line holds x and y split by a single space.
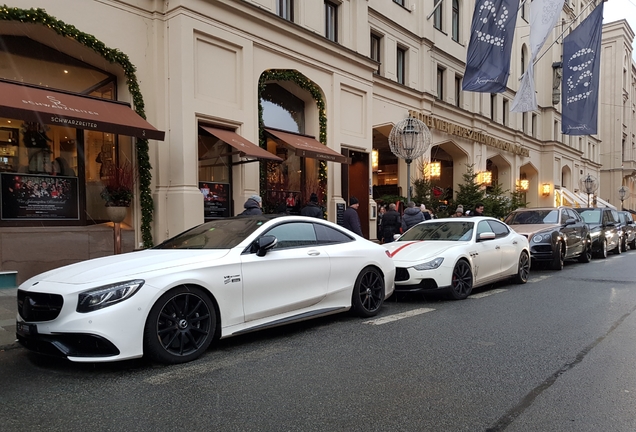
39 197
216 199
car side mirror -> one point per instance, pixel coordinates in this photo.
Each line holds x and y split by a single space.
486 236
265 243
396 236
570 221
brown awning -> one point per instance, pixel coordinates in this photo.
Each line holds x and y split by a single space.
245 147
308 147
42 105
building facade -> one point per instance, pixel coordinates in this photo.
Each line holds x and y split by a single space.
279 98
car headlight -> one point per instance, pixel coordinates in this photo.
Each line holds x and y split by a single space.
108 295
540 238
431 265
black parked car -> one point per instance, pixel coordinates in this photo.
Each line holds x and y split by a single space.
629 229
554 234
604 230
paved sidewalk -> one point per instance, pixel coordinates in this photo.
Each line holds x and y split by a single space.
8 310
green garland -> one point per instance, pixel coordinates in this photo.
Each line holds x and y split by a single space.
39 16
306 84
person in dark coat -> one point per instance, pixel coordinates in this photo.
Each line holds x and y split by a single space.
312 209
412 216
479 210
391 223
351 220
252 206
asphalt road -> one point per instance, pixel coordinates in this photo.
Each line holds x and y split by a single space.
556 354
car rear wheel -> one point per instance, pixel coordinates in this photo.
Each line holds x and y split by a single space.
523 269
557 260
180 326
586 256
632 244
368 292
462 281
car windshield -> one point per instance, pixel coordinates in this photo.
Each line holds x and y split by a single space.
217 234
533 217
591 216
442 230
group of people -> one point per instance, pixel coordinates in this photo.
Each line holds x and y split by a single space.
253 206
390 222
477 211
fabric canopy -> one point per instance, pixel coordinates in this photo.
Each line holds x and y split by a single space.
245 147
308 147
46 106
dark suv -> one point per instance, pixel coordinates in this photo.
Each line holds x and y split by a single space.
629 229
604 230
554 234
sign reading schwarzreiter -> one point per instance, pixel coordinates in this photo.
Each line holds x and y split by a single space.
464 132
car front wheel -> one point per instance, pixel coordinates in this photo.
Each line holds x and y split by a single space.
462 281
602 253
523 269
557 260
368 292
619 247
180 326
586 256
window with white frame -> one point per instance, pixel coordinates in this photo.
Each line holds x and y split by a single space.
331 21
285 9
401 65
455 20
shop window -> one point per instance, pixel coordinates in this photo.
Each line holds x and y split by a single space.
214 166
282 109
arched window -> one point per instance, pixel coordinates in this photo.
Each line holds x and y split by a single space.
455 34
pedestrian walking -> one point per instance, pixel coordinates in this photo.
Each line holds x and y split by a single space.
391 223
252 206
312 209
351 220
412 216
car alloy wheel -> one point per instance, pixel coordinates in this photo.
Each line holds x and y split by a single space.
368 292
559 254
523 270
586 256
618 249
180 326
462 281
603 252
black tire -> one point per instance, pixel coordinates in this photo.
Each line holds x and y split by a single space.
632 244
602 253
180 326
557 260
368 292
619 247
586 256
462 281
523 269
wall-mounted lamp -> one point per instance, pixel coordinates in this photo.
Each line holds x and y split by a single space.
374 160
545 189
523 184
435 170
484 178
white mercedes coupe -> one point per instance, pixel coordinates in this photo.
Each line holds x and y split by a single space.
219 279
455 255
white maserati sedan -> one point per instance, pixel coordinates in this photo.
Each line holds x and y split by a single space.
455 255
219 279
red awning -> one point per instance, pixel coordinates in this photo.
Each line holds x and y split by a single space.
245 147
308 147
46 106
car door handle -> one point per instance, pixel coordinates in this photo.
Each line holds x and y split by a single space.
497 247
313 253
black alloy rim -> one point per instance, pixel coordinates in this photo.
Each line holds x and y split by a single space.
371 286
183 324
524 266
462 279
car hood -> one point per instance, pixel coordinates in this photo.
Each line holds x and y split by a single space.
531 229
420 251
128 266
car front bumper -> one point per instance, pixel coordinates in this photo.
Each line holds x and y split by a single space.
410 280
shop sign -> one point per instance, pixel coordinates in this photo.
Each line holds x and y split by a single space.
216 199
464 132
39 197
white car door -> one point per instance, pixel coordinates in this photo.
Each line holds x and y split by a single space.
509 248
293 275
486 256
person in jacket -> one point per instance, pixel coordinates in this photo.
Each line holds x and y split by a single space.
427 213
381 212
459 212
479 210
252 206
351 220
391 223
312 209
412 216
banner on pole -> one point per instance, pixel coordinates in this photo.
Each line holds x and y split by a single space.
491 36
581 70
544 15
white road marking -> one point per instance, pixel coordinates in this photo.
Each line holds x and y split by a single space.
396 317
487 293
539 279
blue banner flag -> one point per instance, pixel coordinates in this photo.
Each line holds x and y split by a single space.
491 36
581 70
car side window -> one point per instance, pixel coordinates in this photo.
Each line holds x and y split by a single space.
615 216
483 227
293 235
621 217
499 229
573 215
327 235
564 216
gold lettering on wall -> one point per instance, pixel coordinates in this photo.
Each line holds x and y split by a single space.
464 132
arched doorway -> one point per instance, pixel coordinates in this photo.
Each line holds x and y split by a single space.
530 173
